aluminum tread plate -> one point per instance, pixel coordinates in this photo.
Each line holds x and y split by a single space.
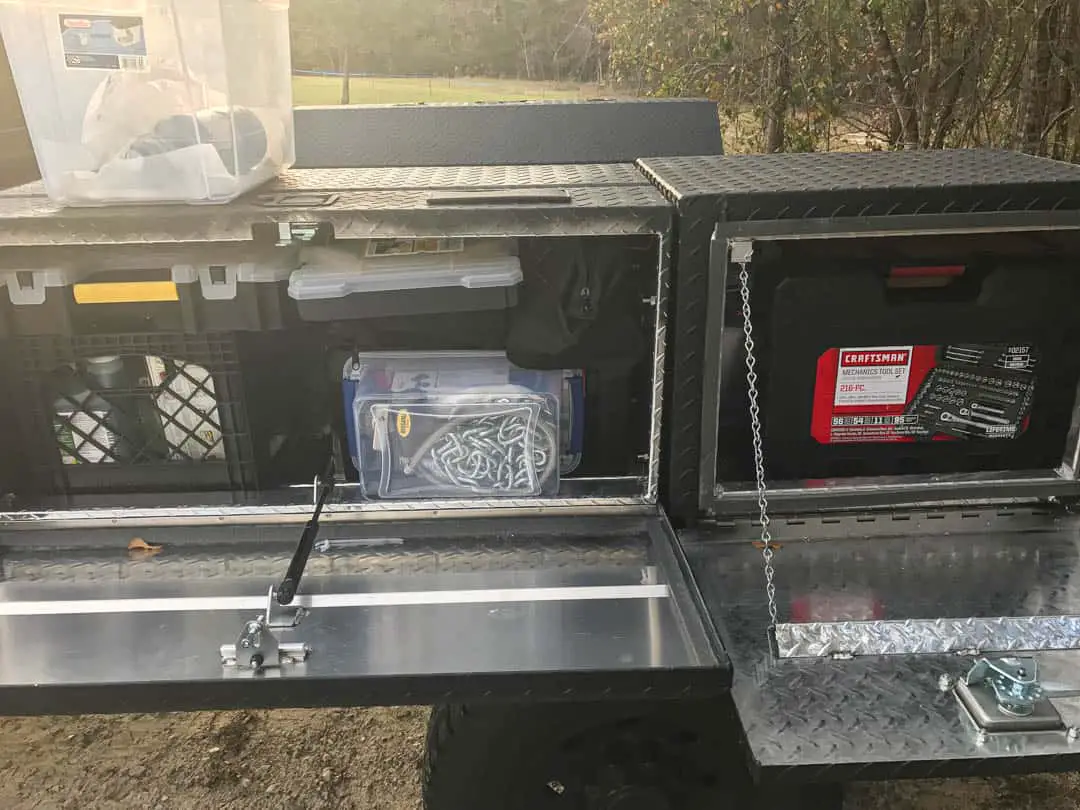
360 204
422 615
931 170
884 716
461 177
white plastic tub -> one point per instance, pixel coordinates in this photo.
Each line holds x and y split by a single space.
153 100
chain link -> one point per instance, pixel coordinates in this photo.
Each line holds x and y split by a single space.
759 452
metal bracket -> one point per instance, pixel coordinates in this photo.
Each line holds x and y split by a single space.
741 251
1005 695
257 648
296 233
1014 682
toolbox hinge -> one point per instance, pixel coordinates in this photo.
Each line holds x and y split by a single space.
740 251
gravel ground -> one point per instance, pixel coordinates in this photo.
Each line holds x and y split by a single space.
323 760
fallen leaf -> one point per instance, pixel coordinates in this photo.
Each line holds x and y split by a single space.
139 549
761 546
138 543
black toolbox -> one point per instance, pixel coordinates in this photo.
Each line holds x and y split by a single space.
951 268
147 289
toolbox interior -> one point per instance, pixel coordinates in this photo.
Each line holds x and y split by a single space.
811 296
245 414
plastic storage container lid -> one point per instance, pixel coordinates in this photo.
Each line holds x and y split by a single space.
330 273
218 281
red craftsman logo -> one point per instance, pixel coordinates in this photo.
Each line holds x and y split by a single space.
898 357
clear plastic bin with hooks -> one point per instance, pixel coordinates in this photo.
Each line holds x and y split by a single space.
453 424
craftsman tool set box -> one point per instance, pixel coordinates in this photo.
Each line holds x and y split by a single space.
917 357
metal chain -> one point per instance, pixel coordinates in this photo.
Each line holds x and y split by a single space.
759 452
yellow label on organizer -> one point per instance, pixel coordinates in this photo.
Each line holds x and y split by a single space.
126 292
404 424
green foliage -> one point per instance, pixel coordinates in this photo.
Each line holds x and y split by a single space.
528 39
787 74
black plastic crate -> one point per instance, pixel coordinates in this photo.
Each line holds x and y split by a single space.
125 413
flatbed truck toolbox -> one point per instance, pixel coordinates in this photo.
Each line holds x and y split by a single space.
828 457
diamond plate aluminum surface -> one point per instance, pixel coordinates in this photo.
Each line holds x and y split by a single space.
928 636
416 612
300 511
226 556
462 177
883 716
358 204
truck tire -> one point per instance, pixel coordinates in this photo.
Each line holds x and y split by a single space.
677 755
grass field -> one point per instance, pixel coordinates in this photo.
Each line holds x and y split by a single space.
319 90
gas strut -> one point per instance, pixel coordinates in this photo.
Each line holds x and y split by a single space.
324 487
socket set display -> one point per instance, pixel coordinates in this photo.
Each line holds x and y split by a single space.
461 425
982 392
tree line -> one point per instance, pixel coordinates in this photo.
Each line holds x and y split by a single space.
786 74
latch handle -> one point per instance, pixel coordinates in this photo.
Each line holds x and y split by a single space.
449 199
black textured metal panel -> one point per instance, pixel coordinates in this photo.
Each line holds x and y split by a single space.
686 370
509 133
857 171
795 186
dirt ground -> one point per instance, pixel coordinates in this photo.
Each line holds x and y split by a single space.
322 760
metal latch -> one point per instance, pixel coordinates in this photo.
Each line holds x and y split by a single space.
1006 695
257 648
296 233
1014 682
740 251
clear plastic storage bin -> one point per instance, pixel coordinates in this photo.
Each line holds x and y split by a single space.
341 283
153 100
453 424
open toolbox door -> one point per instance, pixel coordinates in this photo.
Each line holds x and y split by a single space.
170 444
880 616
134 618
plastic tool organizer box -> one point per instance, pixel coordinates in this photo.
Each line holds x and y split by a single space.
90 291
401 277
982 304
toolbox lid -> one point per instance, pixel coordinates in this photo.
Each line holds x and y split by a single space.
332 273
218 281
